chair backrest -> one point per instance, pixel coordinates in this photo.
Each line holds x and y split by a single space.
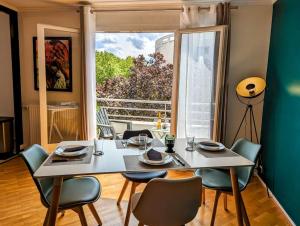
34 157
132 133
169 202
102 119
250 151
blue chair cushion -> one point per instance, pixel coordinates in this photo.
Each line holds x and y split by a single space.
216 179
144 177
77 191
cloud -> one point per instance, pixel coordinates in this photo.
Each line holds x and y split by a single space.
137 43
149 36
108 41
99 44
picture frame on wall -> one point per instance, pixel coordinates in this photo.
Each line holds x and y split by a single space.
58 56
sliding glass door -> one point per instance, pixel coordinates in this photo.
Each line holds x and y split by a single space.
199 70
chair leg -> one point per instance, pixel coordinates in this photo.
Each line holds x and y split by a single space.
244 212
95 214
225 201
46 218
203 195
122 191
212 222
132 190
82 216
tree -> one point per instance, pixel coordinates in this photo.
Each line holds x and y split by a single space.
109 65
150 79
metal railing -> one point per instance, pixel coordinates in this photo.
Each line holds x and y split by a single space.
129 109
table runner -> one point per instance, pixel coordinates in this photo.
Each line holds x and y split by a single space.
156 143
132 163
83 159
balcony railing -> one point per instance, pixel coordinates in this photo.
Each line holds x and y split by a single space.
132 109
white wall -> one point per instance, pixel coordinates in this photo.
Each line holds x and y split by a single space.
250 35
6 77
28 27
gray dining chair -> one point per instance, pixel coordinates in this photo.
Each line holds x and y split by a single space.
168 202
104 127
220 181
139 177
76 192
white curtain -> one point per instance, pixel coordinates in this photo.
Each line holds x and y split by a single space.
197 75
89 72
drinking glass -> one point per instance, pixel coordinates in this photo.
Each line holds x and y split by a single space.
190 143
98 149
143 140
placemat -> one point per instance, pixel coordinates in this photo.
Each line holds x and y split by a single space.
83 159
156 143
132 163
218 154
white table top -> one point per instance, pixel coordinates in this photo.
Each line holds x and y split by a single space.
112 161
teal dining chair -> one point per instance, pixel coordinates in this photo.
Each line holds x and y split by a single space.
219 180
75 192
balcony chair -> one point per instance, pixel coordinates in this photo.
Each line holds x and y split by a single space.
105 128
219 180
75 193
167 202
136 178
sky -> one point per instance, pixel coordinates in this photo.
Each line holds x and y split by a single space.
127 44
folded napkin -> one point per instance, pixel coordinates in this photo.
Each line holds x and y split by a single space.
154 155
73 148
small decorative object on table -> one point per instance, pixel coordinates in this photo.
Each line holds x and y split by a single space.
169 142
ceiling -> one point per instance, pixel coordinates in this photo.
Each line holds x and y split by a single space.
46 4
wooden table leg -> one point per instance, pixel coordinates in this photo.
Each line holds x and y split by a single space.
53 209
236 195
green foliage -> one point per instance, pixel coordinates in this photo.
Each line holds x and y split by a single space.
109 65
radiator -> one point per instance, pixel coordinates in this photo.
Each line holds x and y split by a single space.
67 122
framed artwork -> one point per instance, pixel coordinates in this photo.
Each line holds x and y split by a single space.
58 56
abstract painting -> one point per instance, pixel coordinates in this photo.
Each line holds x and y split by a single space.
58 56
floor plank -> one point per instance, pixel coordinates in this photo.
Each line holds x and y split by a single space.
20 203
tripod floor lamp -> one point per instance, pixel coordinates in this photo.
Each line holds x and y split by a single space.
247 90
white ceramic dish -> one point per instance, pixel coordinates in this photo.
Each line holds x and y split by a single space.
166 158
213 146
135 141
60 151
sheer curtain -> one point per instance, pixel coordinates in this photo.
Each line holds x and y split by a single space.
197 75
88 82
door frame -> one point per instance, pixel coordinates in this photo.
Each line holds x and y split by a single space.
15 58
220 68
42 76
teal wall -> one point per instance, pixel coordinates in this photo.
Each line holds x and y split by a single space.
281 118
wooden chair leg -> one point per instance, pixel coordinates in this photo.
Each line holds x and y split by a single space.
122 191
244 212
132 190
46 218
203 195
217 196
82 216
95 214
225 201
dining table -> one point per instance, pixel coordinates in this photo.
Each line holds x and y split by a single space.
113 161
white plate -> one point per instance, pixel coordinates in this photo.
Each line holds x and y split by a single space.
166 158
219 146
135 141
60 151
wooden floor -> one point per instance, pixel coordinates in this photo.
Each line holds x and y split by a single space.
20 203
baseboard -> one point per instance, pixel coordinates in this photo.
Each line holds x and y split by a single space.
276 201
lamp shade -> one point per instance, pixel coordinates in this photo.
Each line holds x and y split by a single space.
251 87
